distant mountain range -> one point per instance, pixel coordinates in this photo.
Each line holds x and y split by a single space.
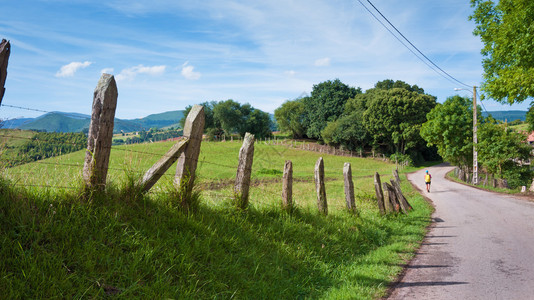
509 115
75 122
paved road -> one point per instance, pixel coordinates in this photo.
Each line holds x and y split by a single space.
481 245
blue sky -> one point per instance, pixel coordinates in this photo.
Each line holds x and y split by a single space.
168 54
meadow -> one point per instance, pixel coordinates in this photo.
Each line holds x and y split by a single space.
56 243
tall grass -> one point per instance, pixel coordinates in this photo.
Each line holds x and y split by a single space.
122 243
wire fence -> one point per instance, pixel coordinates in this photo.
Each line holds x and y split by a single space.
269 157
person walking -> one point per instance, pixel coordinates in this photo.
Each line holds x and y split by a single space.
428 179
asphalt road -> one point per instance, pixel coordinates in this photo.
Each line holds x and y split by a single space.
481 245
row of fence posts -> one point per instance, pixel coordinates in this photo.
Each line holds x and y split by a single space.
327 149
186 152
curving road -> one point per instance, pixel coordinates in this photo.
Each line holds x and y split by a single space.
480 246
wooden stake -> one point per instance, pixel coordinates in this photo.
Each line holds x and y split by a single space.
287 186
244 170
322 205
159 168
5 50
349 187
391 199
95 168
379 194
187 162
404 204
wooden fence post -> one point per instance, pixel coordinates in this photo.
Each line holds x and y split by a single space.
244 170
5 50
187 162
349 187
287 186
379 194
391 199
322 205
95 168
404 204
159 168
396 175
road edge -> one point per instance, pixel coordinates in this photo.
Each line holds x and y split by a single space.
393 285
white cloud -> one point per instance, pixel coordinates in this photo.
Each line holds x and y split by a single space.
130 73
189 73
107 71
70 69
322 62
290 73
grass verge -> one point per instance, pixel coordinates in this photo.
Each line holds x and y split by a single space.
123 244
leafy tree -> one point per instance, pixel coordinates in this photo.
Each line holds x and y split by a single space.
348 131
229 114
389 84
530 118
449 127
394 117
326 104
257 123
500 150
228 117
208 115
506 30
291 117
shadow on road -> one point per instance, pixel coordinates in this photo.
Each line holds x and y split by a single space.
430 283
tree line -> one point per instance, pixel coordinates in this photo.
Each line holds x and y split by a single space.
224 118
152 135
386 118
48 144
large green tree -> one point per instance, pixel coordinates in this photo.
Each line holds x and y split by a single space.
394 116
507 32
290 117
348 131
500 151
229 117
326 104
449 127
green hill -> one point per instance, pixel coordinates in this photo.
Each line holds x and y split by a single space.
509 115
74 122
166 119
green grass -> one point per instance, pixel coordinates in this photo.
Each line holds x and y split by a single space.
53 243
520 128
455 178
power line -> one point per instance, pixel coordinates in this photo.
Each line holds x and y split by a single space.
443 72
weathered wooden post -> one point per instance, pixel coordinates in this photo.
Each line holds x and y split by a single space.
390 202
349 187
287 186
322 205
403 202
244 170
95 168
186 167
379 194
5 50
161 166
396 175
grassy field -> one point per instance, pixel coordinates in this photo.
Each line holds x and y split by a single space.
120 244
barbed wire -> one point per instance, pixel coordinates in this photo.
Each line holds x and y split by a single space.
78 116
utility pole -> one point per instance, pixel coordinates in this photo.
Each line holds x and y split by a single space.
475 139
